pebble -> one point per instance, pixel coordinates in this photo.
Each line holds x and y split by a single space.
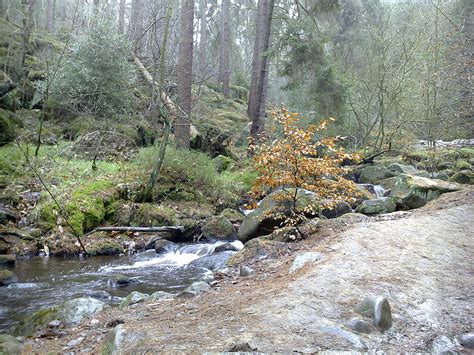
75 342
95 322
359 326
245 271
467 340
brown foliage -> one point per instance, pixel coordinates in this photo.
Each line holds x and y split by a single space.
297 160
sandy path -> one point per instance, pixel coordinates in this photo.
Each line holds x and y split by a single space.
421 261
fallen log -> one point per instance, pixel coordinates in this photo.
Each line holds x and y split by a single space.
138 229
169 104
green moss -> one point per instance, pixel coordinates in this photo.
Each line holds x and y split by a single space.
85 208
105 247
7 129
463 165
36 321
151 215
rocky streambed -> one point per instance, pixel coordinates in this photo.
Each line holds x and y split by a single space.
43 282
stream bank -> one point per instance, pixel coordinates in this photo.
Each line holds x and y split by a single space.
418 260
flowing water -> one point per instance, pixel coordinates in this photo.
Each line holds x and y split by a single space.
44 282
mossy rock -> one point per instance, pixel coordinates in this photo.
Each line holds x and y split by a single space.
415 191
372 174
218 227
463 165
7 277
285 235
151 215
232 215
36 321
10 345
105 247
463 177
7 129
222 163
86 207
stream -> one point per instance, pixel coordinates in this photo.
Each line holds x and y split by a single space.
45 282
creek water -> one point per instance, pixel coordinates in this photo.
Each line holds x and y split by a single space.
45 282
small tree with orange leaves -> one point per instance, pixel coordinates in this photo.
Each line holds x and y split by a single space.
297 161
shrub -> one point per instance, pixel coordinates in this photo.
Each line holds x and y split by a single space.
95 75
295 161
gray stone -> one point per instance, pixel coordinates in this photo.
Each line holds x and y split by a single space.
75 310
378 309
113 341
133 298
415 191
372 174
246 271
442 345
397 169
463 177
350 337
7 260
225 247
303 259
198 287
340 209
10 345
441 176
377 206
7 277
161 295
163 246
212 262
467 340
273 210
75 342
359 326
122 280
54 324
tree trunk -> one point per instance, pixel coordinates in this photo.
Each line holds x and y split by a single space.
27 27
224 53
185 74
203 37
121 19
256 105
136 21
50 7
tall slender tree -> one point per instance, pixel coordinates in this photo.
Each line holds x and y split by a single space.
224 53
50 7
185 74
203 37
121 17
257 95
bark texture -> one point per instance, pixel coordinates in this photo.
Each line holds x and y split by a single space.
224 53
185 74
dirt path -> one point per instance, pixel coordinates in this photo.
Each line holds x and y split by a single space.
421 261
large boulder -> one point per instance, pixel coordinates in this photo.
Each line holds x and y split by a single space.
7 277
69 313
273 210
463 177
377 206
218 227
74 310
10 345
258 248
415 191
7 128
213 262
372 174
133 298
397 169
341 207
